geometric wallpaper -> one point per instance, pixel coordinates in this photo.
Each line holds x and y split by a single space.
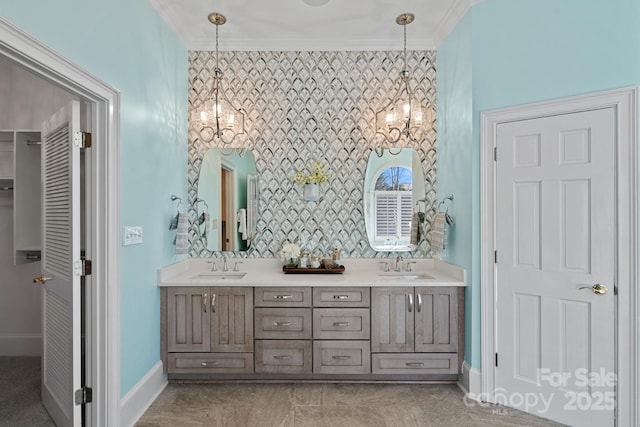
306 106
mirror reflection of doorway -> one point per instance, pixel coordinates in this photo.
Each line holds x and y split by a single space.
228 226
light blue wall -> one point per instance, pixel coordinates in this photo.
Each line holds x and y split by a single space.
525 51
126 44
455 150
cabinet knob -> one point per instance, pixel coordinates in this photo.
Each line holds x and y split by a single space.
340 357
282 357
281 323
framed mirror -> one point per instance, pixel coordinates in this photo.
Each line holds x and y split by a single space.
227 203
394 186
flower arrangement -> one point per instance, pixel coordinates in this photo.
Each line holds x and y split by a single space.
290 253
317 175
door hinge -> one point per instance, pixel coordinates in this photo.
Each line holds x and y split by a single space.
82 268
495 154
615 290
496 360
84 395
82 139
495 257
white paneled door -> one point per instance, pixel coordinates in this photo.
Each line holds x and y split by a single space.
60 250
555 240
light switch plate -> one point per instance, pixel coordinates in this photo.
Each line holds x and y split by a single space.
132 235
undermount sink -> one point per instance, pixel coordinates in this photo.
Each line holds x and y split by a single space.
405 276
217 275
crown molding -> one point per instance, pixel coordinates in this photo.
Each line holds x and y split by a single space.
307 45
455 12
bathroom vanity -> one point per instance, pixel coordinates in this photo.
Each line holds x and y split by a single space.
259 324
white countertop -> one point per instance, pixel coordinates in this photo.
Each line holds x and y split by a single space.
268 272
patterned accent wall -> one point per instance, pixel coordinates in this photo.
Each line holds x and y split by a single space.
307 106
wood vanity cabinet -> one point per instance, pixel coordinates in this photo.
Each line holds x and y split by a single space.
307 333
283 330
416 329
213 320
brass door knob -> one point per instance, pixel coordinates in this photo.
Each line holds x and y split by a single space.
597 288
42 279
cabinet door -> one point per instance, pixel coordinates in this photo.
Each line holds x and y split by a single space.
188 319
436 320
392 319
232 319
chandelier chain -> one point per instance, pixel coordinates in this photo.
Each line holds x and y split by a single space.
404 26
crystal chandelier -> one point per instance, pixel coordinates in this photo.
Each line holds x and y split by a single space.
216 115
404 115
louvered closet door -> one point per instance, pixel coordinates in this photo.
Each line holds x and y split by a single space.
61 247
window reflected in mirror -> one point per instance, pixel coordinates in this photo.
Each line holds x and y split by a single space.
393 183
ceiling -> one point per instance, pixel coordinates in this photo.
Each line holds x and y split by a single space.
306 25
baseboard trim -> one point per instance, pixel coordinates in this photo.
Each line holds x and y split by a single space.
21 345
470 381
134 404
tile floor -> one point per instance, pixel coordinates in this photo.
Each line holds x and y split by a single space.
319 405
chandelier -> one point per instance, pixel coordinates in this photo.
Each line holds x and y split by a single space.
216 115
404 115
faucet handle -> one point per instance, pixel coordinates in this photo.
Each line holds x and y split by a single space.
213 265
386 266
409 265
237 266
398 265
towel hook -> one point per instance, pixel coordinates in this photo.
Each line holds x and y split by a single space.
174 198
449 197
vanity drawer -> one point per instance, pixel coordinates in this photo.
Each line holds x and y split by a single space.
414 363
341 297
283 357
341 323
186 363
283 323
341 357
283 297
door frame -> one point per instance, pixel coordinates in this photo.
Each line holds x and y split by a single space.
103 208
624 102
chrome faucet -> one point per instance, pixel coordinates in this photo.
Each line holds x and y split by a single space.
398 265
225 267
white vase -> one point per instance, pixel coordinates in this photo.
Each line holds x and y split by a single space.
311 192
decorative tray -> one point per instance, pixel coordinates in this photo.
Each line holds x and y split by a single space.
322 270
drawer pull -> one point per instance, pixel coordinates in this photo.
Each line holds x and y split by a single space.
204 302
341 297
282 357
212 363
341 357
415 364
341 323
281 323
282 296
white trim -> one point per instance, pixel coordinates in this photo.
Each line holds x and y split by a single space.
141 396
470 382
36 57
624 101
21 345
